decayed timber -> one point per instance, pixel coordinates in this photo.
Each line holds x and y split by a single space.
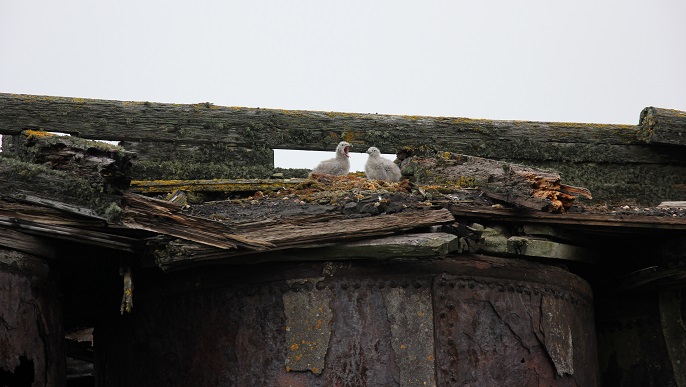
663 126
102 164
313 130
511 183
303 234
40 183
583 221
166 218
213 185
23 222
204 141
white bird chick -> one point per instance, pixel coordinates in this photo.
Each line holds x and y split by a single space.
380 168
340 165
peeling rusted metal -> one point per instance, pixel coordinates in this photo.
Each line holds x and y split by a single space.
410 314
467 320
308 325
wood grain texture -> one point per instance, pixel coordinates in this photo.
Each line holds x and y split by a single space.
663 126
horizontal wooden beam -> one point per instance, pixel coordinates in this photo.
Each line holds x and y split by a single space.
212 185
582 221
315 130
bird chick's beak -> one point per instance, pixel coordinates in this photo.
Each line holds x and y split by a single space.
346 150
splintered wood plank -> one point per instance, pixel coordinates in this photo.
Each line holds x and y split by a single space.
163 217
516 184
349 229
301 234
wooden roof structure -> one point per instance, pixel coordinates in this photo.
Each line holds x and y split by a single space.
192 186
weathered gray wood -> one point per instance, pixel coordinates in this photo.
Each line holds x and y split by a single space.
613 161
512 183
672 205
193 160
410 246
213 185
21 179
312 130
580 221
663 126
140 212
288 235
36 220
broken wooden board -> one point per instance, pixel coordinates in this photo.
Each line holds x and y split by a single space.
510 183
31 220
590 221
305 233
39 183
166 218
663 126
103 164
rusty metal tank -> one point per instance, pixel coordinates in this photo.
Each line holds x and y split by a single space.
464 320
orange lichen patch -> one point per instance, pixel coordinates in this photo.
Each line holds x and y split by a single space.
37 134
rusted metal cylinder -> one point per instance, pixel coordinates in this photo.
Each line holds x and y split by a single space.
468 320
31 330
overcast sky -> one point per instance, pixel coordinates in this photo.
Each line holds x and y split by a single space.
584 61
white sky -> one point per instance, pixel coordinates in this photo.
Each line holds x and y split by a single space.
584 61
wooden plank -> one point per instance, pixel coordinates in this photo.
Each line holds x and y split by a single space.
15 240
411 246
302 234
582 221
212 185
162 217
663 126
313 130
192 160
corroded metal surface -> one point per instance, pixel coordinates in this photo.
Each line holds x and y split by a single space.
469 320
31 332
308 325
495 332
410 313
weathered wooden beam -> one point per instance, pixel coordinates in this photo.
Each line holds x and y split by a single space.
410 246
287 235
582 221
213 185
663 126
161 159
315 130
140 212
39 182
